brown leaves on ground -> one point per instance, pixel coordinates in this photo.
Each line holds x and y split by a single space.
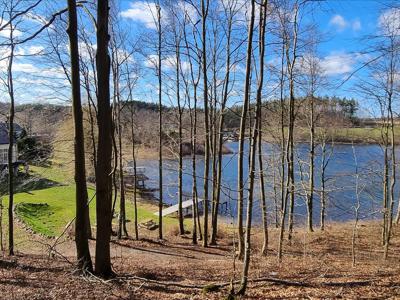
314 266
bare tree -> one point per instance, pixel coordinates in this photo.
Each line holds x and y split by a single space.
356 207
254 136
193 56
160 142
81 233
104 152
230 10
242 132
204 13
290 38
10 88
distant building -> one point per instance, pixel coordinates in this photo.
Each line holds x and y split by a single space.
5 142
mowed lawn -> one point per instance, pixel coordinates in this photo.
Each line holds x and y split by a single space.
47 208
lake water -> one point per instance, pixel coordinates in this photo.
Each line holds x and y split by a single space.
341 185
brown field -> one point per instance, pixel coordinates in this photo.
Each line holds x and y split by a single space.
314 266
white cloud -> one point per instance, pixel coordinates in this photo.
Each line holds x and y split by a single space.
188 9
32 50
6 32
143 12
151 61
168 63
389 21
337 64
341 23
25 67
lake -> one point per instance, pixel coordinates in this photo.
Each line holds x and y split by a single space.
341 184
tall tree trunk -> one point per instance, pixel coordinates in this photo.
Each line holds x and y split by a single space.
393 156
160 137
10 86
196 215
284 162
213 135
193 124
220 130
356 210
180 136
135 222
81 196
310 196
258 125
290 146
122 231
242 134
204 13
385 184
104 154
254 136
323 187
263 201
92 132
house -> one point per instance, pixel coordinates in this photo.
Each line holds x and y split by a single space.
5 141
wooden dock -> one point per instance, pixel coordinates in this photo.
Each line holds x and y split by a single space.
186 205
130 179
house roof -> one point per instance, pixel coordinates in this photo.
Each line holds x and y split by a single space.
4 132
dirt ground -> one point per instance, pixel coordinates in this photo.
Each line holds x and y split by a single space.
314 266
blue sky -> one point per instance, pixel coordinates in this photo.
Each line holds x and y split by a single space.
344 26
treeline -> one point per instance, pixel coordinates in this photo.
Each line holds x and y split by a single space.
341 109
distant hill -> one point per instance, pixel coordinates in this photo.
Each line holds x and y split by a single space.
35 118
43 118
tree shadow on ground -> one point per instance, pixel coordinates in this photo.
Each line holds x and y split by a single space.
24 183
132 247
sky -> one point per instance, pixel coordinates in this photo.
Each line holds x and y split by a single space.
343 24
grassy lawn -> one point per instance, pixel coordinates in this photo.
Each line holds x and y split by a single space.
345 134
46 202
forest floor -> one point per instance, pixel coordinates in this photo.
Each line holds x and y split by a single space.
315 266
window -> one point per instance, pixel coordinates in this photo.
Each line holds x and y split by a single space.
3 155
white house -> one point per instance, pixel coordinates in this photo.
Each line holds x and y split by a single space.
5 141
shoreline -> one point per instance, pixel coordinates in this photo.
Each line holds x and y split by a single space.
146 153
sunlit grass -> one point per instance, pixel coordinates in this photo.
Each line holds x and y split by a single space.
58 201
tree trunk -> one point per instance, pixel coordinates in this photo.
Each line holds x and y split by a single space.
180 136
254 136
284 161
82 208
220 134
291 62
393 159
10 87
263 201
310 196
204 13
104 154
160 137
122 231
135 222
323 181
242 134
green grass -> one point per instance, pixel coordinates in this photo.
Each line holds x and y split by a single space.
369 135
36 216
47 204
